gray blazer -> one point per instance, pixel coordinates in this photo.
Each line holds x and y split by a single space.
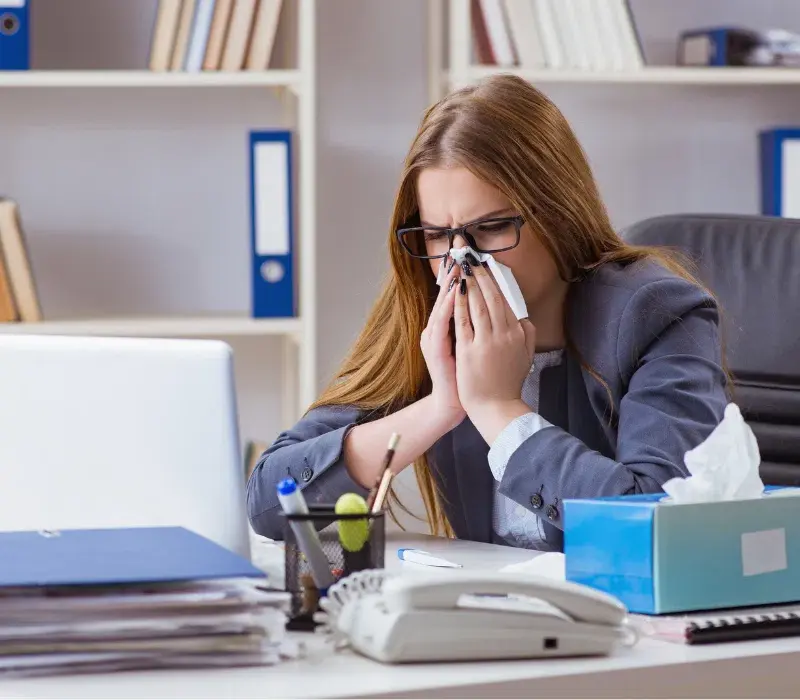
652 336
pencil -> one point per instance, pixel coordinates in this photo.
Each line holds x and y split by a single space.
372 500
383 489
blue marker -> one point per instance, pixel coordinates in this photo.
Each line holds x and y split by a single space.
293 503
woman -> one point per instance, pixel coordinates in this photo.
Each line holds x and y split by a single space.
614 375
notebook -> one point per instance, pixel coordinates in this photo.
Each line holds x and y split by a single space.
724 625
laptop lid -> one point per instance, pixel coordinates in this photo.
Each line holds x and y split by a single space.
120 432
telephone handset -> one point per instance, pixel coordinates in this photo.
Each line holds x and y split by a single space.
460 616
579 602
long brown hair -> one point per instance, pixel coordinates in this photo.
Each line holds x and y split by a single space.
512 136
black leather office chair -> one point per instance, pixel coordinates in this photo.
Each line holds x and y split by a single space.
752 264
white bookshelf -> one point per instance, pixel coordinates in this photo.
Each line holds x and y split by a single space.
293 79
651 75
450 63
298 335
161 326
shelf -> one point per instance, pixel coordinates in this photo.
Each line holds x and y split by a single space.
148 79
656 75
160 326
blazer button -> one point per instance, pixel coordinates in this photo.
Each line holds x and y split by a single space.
536 501
551 512
306 474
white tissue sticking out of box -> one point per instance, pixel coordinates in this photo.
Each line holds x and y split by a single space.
502 274
722 468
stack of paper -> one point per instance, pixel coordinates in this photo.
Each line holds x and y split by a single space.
74 602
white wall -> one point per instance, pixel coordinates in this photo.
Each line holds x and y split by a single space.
135 200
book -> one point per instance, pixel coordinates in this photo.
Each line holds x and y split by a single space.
265 28
525 33
8 306
183 35
240 30
201 29
736 624
219 31
17 262
496 23
166 28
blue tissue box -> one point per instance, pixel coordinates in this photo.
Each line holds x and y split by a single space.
667 558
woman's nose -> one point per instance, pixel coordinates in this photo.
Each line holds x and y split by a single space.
459 241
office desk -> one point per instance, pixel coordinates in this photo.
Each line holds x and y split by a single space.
649 669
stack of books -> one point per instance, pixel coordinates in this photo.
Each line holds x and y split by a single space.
129 599
227 35
590 35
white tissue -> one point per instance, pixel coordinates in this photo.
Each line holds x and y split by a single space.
723 468
502 274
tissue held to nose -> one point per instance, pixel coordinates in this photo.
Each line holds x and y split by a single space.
722 468
502 274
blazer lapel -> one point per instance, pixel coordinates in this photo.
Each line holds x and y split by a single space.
553 395
582 421
475 484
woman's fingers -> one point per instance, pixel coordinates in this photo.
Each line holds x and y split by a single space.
478 313
463 324
496 304
451 270
440 323
442 288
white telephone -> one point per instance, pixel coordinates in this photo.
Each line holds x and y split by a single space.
462 616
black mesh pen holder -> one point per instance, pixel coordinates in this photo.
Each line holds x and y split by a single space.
348 543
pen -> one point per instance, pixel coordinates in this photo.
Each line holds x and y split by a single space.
378 494
418 556
293 503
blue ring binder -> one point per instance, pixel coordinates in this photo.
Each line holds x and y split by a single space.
14 35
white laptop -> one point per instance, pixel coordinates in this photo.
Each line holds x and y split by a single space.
120 432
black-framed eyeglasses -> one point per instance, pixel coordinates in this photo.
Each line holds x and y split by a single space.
493 235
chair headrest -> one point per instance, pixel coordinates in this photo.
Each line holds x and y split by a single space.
752 265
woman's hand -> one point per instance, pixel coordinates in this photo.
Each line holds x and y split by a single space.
494 353
437 349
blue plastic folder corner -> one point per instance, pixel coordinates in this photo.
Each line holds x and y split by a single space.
670 558
14 34
115 556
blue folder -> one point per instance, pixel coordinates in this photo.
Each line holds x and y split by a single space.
115 556
272 225
15 35
778 189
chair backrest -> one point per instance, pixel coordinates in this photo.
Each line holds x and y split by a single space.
752 264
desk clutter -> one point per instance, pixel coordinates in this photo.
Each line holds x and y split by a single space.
325 544
80 601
